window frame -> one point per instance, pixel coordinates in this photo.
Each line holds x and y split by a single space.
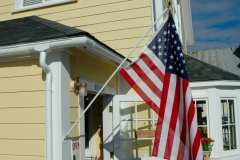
207 110
236 124
19 4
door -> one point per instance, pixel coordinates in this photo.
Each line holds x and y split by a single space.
131 114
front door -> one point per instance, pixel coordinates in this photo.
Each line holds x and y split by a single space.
93 128
131 115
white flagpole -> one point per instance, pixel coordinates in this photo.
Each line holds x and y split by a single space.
120 65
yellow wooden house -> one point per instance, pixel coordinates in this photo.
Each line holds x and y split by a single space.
47 47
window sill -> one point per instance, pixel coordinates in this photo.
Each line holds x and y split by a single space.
42 5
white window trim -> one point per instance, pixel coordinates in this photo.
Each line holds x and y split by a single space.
19 4
231 152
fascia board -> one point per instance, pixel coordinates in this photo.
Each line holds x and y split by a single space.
187 21
214 84
85 42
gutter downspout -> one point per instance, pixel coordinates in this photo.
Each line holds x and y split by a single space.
48 105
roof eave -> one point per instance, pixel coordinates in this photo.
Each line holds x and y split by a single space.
85 42
225 83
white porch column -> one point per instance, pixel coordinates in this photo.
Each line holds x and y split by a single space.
59 64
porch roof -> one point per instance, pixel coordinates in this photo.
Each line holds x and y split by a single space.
33 29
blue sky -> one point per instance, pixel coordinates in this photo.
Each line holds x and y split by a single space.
216 24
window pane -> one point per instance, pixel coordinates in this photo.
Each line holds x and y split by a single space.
225 136
231 111
233 137
201 112
31 2
228 124
202 115
224 112
126 149
143 111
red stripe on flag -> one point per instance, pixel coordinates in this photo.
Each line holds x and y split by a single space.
161 114
146 79
138 89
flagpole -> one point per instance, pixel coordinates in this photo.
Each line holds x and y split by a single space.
120 65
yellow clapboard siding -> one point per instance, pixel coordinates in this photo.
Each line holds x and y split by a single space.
76 130
122 34
22 99
95 75
24 131
117 25
126 43
87 59
22 115
127 50
22 147
81 8
96 10
115 16
74 114
84 4
6 8
17 84
20 68
88 3
19 157
92 68
72 6
8 2
74 102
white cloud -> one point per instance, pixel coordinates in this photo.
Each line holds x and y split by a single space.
216 24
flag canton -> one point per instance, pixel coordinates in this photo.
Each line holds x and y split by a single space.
167 47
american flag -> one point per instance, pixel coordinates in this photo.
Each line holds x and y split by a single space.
159 76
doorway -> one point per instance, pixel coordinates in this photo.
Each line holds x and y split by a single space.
94 128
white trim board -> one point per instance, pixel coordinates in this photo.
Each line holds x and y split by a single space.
96 86
19 4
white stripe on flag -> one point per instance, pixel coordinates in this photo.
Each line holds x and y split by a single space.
151 75
143 86
167 115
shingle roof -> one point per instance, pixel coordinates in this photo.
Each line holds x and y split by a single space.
201 71
32 29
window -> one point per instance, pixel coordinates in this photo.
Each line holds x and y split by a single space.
228 124
202 117
21 5
136 116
